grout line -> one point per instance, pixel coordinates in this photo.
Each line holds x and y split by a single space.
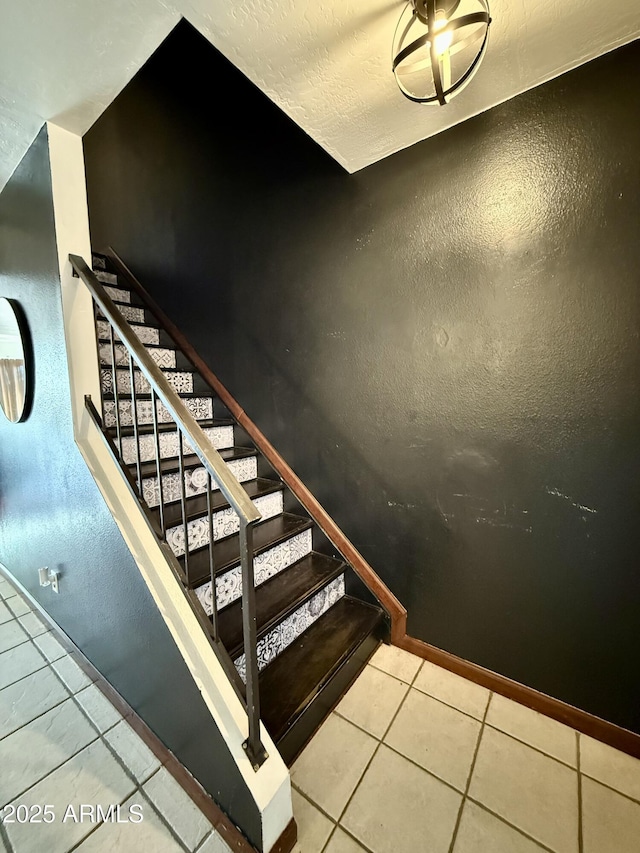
17 645
580 831
471 769
534 748
513 826
37 717
137 785
4 837
375 752
614 790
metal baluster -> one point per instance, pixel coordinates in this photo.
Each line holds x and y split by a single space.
134 419
183 503
114 373
253 746
212 568
156 436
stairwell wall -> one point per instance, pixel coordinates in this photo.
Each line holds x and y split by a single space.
51 513
444 346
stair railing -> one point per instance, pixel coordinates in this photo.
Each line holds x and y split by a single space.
139 363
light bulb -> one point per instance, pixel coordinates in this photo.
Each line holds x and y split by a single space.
443 41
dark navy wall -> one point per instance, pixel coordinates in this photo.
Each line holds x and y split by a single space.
443 345
51 513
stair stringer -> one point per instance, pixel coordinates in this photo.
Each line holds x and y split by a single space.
270 786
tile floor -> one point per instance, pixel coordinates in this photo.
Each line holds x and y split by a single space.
62 743
418 760
413 760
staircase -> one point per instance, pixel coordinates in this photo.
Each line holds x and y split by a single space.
317 623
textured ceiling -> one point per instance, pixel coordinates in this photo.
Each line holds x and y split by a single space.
326 64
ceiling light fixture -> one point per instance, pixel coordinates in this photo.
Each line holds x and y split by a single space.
438 46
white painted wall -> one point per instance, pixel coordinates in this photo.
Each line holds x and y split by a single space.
327 65
270 785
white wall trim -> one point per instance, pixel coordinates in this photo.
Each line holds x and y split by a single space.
270 785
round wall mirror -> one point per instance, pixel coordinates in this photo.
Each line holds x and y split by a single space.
15 371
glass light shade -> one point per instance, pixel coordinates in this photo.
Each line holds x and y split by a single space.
438 46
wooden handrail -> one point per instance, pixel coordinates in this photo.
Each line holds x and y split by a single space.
365 572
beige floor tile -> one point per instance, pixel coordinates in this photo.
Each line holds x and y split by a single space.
313 827
435 736
609 765
452 689
373 700
331 766
147 836
27 755
610 822
28 698
98 708
399 808
214 844
19 661
49 646
18 605
342 843
535 729
177 808
481 832
529 790
134 753
11 635
6 590
93 777
5 614
71 674
33 625
396 662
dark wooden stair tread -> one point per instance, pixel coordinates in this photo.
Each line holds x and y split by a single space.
191 460
226 552
291 682
278 597
197 504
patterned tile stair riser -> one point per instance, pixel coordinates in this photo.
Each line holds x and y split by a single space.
115 293
277 640
225 523
106 277
145 334
220 437
195 480
265 566
182 382
130 313
162 357
200 407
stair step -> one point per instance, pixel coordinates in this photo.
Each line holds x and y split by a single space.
293 626
200 406
181 381
132 313
241 461
219 433
116 293
225 523
226 555
197 504
164 357
301 686
145 334
278 597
